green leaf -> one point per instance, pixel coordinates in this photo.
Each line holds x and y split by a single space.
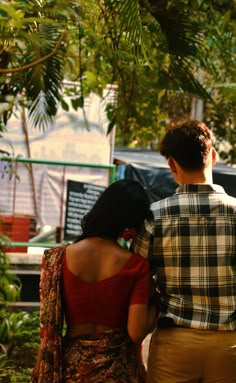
77 102
64 105
90 79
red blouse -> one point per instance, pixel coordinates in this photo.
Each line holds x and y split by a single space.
106 302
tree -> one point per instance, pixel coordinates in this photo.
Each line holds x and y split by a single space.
195 35
151 49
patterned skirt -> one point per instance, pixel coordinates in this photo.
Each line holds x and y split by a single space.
110 357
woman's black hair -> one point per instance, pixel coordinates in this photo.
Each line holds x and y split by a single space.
123 204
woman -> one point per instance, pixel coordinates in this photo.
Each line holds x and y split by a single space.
103 291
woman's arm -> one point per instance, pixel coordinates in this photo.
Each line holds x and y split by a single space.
142 317
141 321
144 304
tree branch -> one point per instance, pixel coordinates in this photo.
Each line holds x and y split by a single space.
44 58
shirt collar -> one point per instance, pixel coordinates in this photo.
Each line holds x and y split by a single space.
200 188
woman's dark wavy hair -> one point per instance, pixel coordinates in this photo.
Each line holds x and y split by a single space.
124 204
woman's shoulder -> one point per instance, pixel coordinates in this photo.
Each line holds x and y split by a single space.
139 258
139 263
53 254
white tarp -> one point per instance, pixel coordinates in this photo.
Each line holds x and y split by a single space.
68 140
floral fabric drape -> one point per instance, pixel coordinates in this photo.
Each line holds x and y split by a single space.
107 357
48 368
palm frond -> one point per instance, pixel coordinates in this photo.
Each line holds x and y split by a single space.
44 80
130 20
38 29
123 22
183 32
187 78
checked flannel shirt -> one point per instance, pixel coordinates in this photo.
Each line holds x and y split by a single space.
191 245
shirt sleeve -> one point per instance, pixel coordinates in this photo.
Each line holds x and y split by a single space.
140 293
143 241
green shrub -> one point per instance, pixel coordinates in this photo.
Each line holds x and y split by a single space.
10 285
19 334
19 331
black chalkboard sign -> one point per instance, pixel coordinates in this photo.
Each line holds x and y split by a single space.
80 199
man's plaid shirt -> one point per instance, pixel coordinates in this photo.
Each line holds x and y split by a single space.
192 244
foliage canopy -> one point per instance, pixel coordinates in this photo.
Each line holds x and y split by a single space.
159 53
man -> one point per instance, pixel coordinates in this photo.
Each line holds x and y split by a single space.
191 244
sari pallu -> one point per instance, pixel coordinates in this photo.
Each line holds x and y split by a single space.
48 367
108 357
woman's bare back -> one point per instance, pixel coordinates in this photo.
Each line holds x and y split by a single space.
93 260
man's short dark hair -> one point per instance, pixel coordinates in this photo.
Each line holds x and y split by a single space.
188 143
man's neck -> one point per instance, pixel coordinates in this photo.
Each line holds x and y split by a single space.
198 177
202 176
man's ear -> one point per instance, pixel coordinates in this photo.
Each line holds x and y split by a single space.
171 163
214 156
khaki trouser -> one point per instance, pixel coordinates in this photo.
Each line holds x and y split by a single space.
181 355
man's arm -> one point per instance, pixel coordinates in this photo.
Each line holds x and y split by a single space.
143 241
143 244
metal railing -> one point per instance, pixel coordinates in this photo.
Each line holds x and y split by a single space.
37 190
